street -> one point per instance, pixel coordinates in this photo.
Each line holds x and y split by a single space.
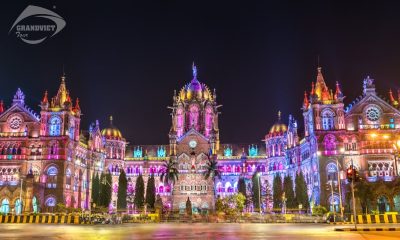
188 231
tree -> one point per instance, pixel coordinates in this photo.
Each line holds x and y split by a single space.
212 169
242 188
268 196
105 189
188 207
301 191
363 191
289 192
95 188
158 205
277 191
256 191
122 188
169 174
101 190
139 193
151 192
219 205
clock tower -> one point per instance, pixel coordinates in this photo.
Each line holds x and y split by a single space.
194 139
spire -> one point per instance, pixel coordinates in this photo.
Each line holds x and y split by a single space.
61 96
111 120
77 107
279 115
338 91
320 85
19 97
305 101
194 69
391 98
45 99
1 106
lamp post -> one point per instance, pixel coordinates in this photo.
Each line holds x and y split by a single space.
259 193
340 186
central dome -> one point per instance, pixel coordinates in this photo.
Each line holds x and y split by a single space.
195 89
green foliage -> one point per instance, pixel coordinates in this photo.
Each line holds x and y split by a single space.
232 205
301 191
319 210
170 173
158 204
242 188
212 169
95 188
105 189
289 192
363 191
151 192
277 191
268 199
256 191
122 188
139 193
219 205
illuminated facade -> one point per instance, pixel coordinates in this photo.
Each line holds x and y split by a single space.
56 159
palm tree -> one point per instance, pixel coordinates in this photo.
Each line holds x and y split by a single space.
212 169
169 173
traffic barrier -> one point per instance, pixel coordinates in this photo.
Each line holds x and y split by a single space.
41 219
376 219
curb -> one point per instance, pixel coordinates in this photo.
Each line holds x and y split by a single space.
366 229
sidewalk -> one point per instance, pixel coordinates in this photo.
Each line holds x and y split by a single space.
369 227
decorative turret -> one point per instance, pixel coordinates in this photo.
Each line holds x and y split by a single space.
1 106
279 128
369 86
338 93
306 103
77 108
19 98
111 132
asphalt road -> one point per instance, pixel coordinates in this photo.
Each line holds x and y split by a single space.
186 231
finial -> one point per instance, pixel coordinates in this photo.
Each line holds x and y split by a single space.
279 115
194 69
111 120
45 99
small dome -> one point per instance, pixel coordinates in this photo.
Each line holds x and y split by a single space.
111 132
195 89
279 127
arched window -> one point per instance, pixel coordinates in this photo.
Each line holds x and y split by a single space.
5 206
52 177
35 205
18 206
55 126
50 203
327 120
68 177
194 116
331 172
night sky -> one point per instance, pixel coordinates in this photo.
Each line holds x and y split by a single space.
126 59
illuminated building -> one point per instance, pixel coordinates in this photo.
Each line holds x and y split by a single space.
57 159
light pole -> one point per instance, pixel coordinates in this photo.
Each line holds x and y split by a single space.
340 186
259 193
352 194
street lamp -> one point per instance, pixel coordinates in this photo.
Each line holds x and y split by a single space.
259 192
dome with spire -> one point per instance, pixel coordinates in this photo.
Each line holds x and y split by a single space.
278 128
195 89
111 132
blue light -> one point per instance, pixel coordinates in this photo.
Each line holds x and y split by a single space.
138 152
228 152
161 152
253 150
